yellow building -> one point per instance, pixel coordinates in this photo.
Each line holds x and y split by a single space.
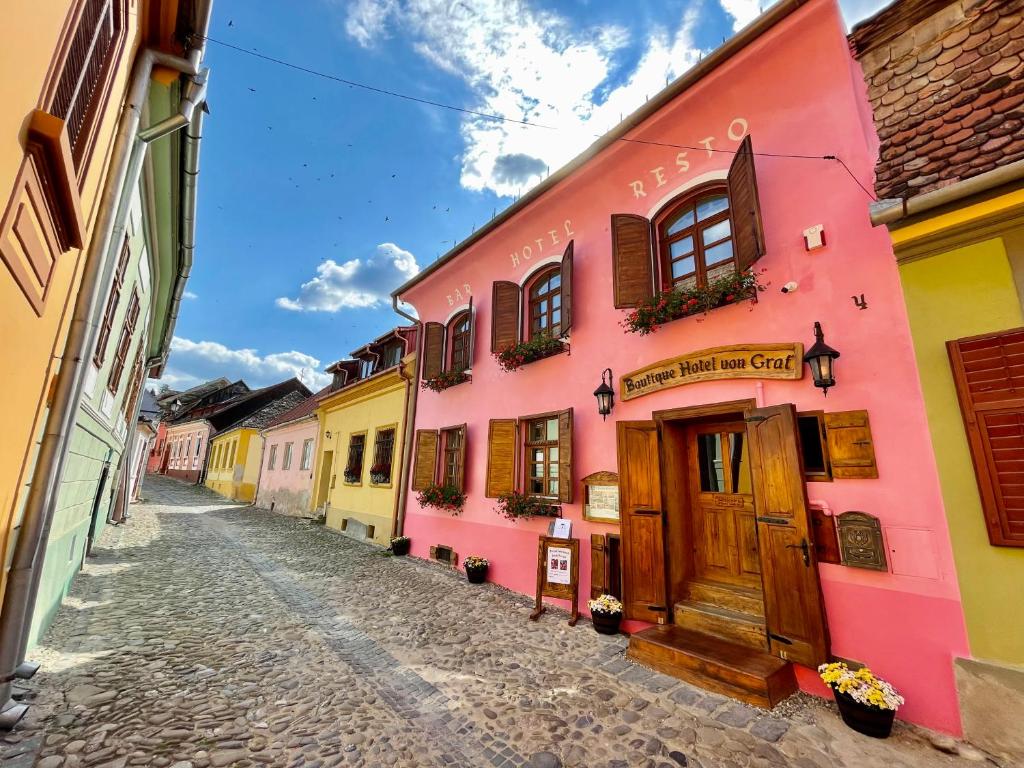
361 443
952 196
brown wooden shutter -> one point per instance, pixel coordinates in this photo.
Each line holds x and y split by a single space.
565 457
506 298
107 325
642 526
632 260
748 238
462 457
433 350
598 565
502 439
989 375
850 447
794 612
425 459
472 336
567 289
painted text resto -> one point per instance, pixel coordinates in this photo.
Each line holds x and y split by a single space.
744 361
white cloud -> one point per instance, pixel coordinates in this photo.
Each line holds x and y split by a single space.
356 283
190 295
743 11
192 362
528 64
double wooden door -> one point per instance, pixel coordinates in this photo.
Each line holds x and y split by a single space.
794 615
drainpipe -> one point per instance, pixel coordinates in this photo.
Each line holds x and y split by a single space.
99 264
259 475
398 519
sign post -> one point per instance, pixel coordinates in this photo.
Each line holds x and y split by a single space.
558 574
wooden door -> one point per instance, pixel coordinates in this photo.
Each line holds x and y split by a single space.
722 505
324 486
642 526
794 614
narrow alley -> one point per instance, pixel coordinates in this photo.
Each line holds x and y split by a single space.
204 633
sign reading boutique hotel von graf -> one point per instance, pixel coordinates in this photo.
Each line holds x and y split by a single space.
740 361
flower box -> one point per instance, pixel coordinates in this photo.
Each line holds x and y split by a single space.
351 476
444 380
380 474
446 498
515 357
517 506
677 303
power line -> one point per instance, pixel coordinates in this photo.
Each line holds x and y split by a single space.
527 123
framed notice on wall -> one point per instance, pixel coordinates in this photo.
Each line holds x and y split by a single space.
558 574
601 497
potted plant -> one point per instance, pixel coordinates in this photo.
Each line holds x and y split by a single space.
443 380
866 703
380 474
447 498
540 346
476 569
516 505
351 474
399 546
606 613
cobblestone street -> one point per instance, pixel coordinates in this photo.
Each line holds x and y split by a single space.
206 634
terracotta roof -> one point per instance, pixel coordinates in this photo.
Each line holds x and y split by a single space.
300 411
946 83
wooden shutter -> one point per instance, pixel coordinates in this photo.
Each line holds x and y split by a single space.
472 336
567 289
502 435
989 375
850 448
748 238
506 299
425 459
107 325
598 565
632 260
642 524
124 342
565 457
794 614
462 457
433 350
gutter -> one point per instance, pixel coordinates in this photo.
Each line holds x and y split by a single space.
716 58
99 262
412 393
894 210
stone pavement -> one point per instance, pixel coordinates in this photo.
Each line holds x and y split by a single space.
208 634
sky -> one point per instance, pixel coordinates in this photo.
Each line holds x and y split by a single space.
318 198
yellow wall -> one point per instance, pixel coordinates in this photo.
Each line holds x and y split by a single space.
963 292
235 480
29 39
362 407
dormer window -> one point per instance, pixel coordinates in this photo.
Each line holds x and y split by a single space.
392 355
366 366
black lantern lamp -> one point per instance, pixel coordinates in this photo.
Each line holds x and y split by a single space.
605 394
819 357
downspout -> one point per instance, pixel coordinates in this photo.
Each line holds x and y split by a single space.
398 519
30 550
259 475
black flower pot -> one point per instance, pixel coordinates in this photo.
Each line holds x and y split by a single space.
606 623
400 548
476 575
871 721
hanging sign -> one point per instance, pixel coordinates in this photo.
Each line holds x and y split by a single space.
740 361
558 574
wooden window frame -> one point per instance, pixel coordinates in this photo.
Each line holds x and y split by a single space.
531 302
306 460
811 476
691 198
348 458
377 447
286 459
459 342
103 340
131 317
527 460
455 452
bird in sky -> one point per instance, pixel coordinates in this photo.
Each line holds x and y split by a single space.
231 23
253 90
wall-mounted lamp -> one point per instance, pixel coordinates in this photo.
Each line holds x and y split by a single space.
819 357
605 394
327 435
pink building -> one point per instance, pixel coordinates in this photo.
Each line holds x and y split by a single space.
711 496
289 454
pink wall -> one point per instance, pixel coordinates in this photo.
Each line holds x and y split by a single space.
794 89
186 463
288 490
156 453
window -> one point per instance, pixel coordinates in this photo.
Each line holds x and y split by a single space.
127 331
391 355
542 446
366 368
459 331
545 307
86 69
814 446
231 461
695 240
723 463
273 457
287 462
354 465
542 457
383 453
100 354
307 454
450 469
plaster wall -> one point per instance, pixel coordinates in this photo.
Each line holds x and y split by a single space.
236 479
288 490
185 462
906 623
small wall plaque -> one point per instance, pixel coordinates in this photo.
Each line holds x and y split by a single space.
601 497
860 541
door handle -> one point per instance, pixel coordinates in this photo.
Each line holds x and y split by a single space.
805 548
